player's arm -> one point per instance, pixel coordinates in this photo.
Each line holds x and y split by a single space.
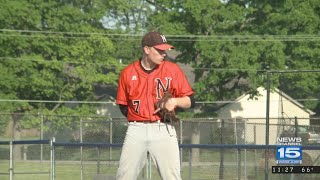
180 102
183 87
177 102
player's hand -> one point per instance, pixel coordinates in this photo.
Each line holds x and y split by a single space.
170 105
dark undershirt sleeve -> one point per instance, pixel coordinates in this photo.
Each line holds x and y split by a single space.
124 109
192 101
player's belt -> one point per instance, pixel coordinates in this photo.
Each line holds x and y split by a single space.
144 121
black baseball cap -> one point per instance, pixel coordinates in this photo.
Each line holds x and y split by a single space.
156 40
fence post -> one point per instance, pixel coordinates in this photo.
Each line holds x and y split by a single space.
149 167
221 176
98 162
266 158
110 137
146 173
181 141
81 151
296 126
52 158
190 163
11 161
245 150
239 164
41 136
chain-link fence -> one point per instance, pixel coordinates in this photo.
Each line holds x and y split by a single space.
112 130
81 151
27 168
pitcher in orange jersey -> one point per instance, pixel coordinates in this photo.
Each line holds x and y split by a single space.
140 85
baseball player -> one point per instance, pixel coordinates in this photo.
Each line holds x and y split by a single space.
141 84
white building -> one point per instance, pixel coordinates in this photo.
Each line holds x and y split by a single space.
252 112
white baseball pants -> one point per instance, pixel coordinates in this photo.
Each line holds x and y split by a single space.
160 140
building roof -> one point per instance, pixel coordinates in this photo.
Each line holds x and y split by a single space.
283 95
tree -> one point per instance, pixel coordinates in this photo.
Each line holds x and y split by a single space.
54 51
231 43
128 21
298 22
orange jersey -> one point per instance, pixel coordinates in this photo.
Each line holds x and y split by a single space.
139 90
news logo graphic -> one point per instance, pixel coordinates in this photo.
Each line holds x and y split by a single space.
289 157
289 150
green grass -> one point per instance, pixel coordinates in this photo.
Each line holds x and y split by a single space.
71 170
66 170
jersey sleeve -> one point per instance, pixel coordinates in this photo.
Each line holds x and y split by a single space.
122 97
183 87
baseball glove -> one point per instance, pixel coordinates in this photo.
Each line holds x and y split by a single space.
166 116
